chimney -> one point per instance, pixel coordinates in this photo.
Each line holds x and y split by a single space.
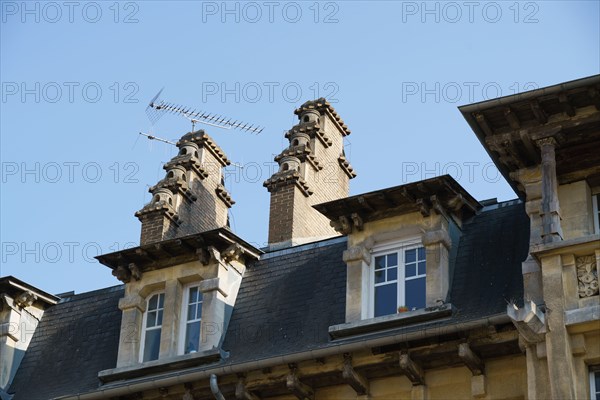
312 169
191 198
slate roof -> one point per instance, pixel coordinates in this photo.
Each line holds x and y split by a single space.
286 303
75 339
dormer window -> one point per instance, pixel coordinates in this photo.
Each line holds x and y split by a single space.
152 327
192 313
399 278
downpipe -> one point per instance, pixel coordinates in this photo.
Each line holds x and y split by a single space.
214 388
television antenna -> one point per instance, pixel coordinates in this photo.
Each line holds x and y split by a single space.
158 107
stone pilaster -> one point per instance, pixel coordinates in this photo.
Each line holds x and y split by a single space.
551 228
437 244
133 307
558 346
357 259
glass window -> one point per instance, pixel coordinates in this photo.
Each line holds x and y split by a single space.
595 383
192 317
152 327
399 279
596 208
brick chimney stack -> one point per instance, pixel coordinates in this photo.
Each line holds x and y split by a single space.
191 198
312 169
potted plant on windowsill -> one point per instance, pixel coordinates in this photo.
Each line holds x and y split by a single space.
402 309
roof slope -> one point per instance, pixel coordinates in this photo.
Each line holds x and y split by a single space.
75 339
487 268
286 303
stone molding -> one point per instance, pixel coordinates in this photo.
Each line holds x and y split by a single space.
434 237
357 253
133 300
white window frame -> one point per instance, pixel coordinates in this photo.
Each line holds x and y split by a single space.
384 249
144 320
594 369
596 212
183 320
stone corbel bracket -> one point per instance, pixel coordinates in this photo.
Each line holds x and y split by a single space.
125 273
529 321
25 299
345 225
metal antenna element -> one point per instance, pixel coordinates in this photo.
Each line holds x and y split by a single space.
158 107
152 137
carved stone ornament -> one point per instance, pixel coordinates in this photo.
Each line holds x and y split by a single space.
587 276
25 299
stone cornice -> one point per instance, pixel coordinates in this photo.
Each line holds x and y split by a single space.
285 178
189 162
176 186
202 139
224 195
312 129
303 153
178 251
158 208
346 167
324 107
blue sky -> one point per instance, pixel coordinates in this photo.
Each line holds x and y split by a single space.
76 79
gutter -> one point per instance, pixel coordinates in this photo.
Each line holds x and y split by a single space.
548 90
180 377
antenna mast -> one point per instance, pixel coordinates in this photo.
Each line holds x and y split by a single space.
157 107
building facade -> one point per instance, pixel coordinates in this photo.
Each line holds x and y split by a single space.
417 291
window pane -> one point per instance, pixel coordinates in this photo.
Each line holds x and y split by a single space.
151 319
380 262
199 311
392 260
192 337
385 300
422 268
152 345
410 256
161 300
380 276
193 295
153 302
159 318
191 312
415 293
392 274
421 253
411 270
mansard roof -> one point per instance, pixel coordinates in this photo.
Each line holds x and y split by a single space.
287 301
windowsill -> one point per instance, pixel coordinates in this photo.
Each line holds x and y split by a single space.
162 365
389 321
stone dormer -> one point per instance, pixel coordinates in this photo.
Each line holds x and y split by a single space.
191 198
21 309
163 282
312 169
421 221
